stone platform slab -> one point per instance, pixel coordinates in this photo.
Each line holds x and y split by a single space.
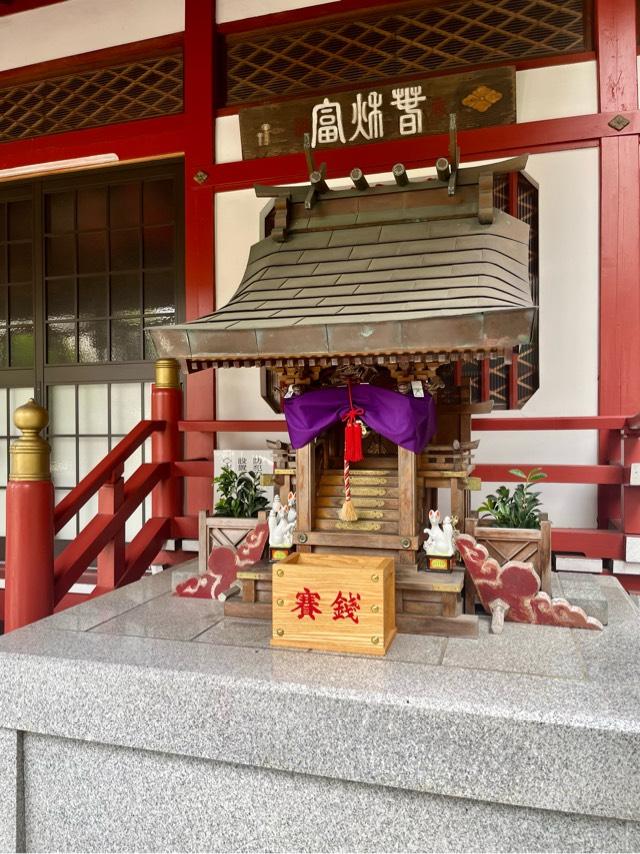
140 721
583 590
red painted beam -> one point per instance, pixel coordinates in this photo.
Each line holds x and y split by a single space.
200 294
619 338
616 50
185 528
619 386
556 474
77 556
142 139
14 6
579 422
89 485
590 542
491 142
279 426
193 468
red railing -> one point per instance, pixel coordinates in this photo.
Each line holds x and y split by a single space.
118 563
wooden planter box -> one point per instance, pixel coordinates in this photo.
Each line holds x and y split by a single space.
334 602
222 531
504 544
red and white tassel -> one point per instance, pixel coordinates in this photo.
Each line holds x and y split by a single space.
352 454
347 512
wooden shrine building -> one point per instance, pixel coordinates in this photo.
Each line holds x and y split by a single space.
380 285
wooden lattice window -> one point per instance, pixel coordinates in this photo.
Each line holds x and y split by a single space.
110 267
510 386
401 40
139 89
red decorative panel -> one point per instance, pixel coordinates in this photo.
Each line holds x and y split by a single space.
139 89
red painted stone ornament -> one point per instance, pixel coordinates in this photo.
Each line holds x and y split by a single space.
512 592
223 566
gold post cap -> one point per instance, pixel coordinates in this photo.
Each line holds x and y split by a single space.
30 454
167 373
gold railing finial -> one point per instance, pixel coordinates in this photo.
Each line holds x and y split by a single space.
30 454
167 373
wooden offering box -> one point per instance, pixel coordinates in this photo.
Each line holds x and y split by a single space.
341 603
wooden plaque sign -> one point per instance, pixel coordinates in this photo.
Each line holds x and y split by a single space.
373 114
341 603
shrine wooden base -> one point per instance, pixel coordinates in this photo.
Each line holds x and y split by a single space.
427 603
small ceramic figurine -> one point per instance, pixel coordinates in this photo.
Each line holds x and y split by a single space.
439 545
282 522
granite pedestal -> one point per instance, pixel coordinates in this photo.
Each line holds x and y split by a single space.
139 721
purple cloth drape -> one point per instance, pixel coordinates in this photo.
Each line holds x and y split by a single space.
406 420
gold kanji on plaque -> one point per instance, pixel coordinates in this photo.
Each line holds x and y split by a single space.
482 98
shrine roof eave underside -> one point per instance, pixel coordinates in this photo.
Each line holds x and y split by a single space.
434 339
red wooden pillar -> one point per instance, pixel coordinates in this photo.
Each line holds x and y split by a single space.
111 560
619 359
29 546
166 444
199 92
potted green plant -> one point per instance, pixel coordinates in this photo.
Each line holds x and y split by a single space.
240 495
241 504
514 527
517 509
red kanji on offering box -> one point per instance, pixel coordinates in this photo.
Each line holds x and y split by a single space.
307 604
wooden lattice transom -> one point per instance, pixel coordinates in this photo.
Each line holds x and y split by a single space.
409 39
136 90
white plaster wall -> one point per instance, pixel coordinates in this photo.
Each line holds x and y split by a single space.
568 202
557 91
237 219
79 26
235 10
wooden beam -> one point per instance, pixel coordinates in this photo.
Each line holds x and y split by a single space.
498 473
616 52
305 486
493 142
563 422
199 96
591 543
619 360
274 426
408 512
619 391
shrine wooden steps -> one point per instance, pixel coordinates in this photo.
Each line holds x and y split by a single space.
375 495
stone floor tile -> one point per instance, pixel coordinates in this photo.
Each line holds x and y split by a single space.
421 649
236 632
166 616
87 615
